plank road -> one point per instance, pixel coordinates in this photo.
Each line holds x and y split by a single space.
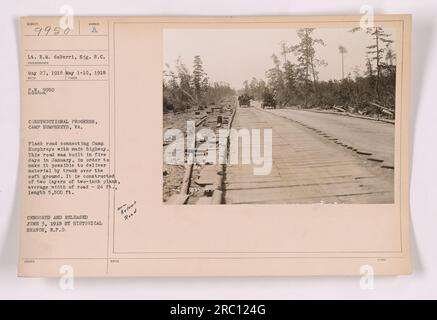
308 165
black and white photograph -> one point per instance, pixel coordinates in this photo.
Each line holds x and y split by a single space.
279 116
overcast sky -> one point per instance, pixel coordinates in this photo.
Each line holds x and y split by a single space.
234 55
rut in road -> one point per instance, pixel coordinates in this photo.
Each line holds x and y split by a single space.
307 168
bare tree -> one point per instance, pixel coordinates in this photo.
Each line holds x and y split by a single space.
342 51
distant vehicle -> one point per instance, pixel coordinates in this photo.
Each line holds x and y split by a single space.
269 101
244 100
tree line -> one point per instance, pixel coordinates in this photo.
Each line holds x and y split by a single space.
183 88
298 83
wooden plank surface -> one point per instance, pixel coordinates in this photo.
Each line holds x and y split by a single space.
308 167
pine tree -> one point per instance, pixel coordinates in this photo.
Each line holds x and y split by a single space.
200 81
307 60
186 97
275 79
377 51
